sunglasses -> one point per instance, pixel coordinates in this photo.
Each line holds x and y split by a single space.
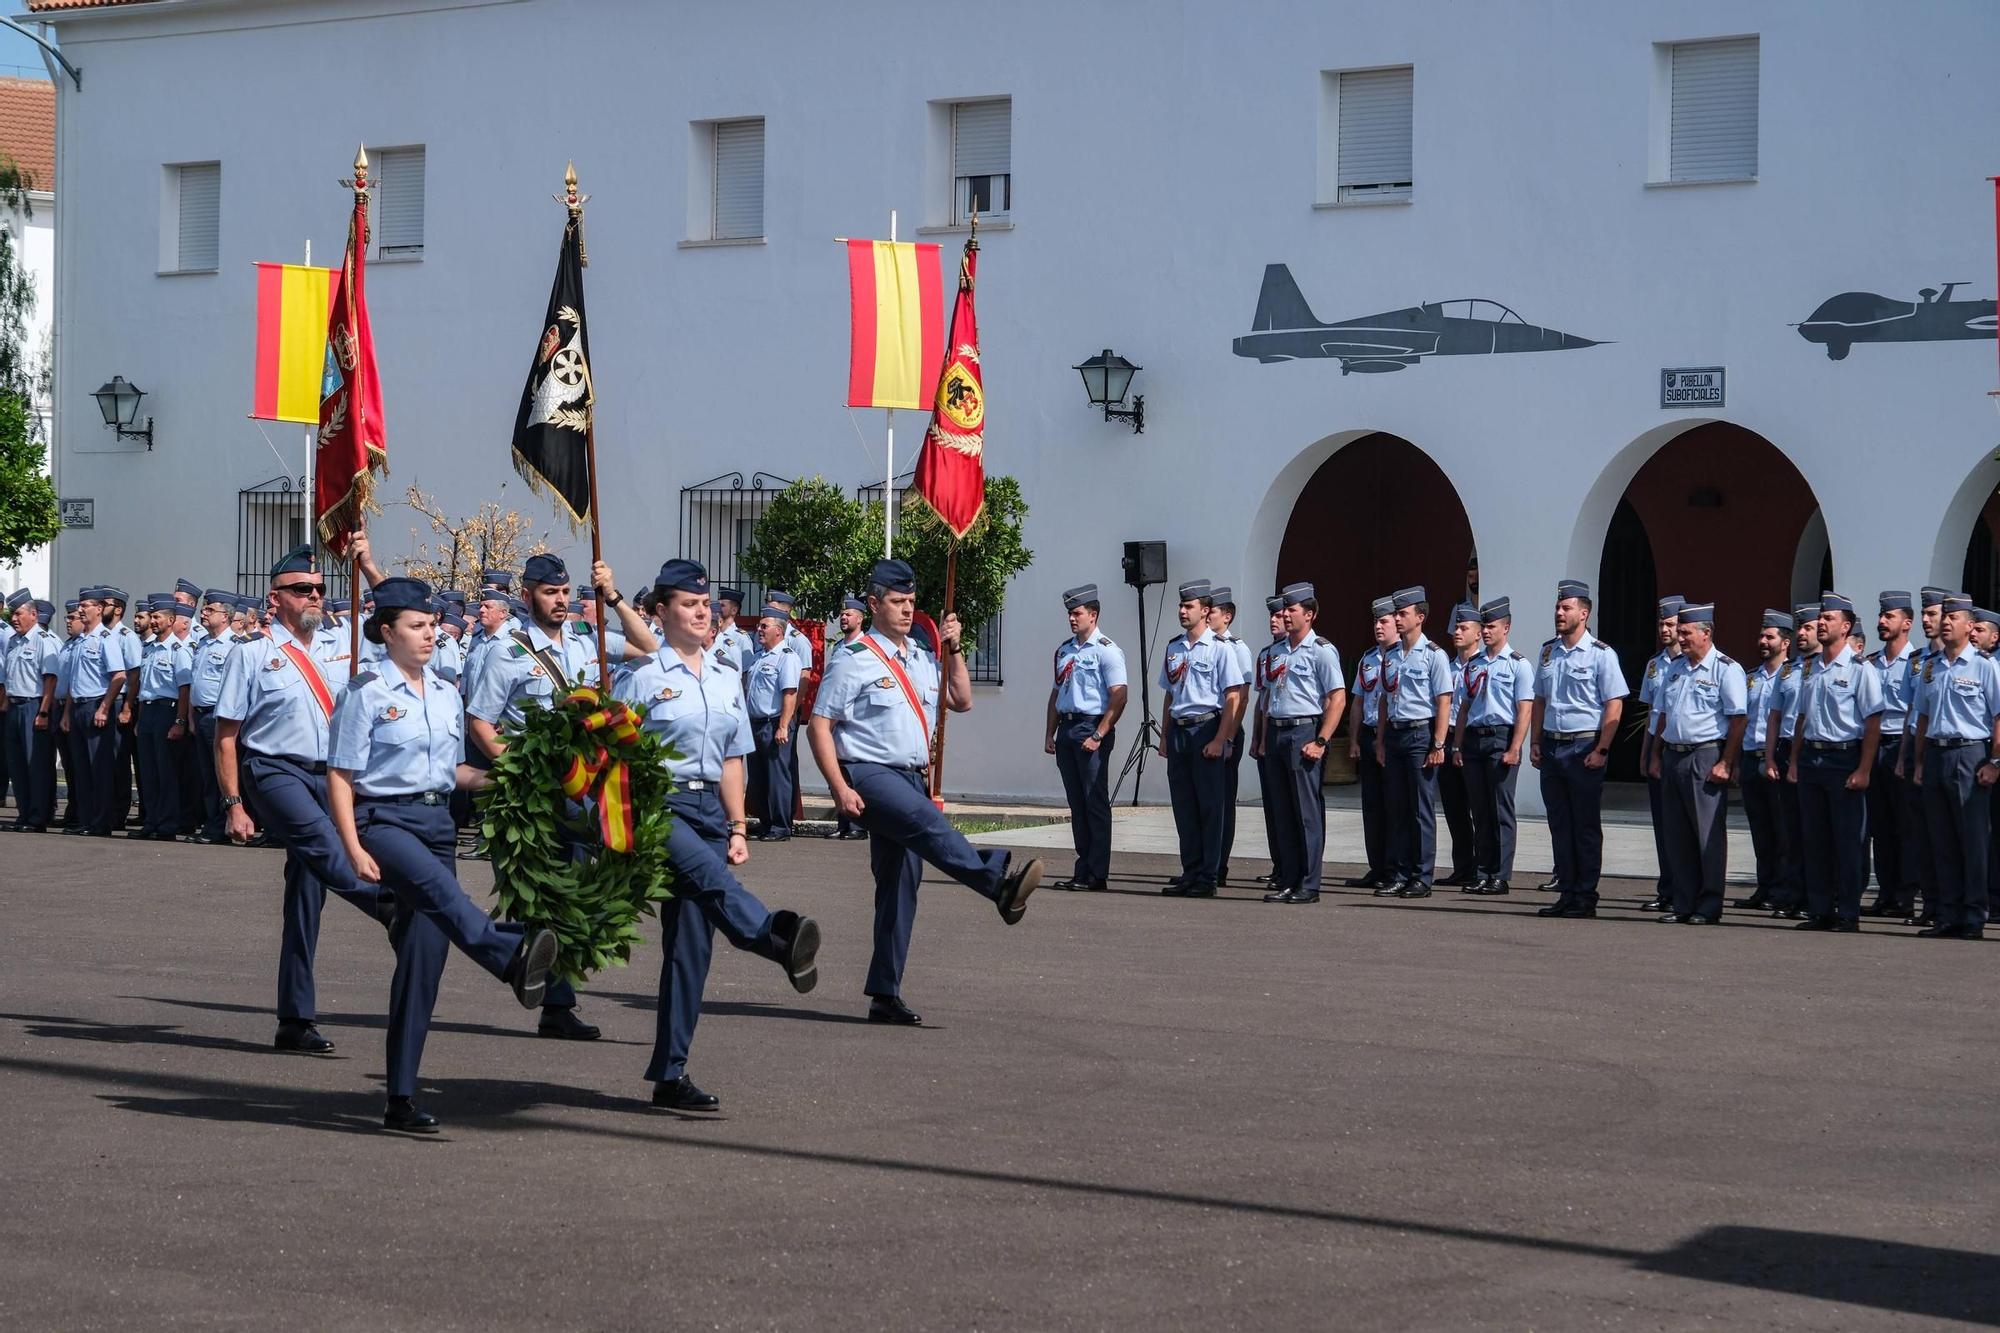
301 589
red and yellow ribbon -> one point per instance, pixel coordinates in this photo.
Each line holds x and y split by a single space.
604 778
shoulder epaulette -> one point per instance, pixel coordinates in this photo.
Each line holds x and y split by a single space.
856 647
787 648
520 650
364 678
1550 643
1514 656
1107 643
1724 658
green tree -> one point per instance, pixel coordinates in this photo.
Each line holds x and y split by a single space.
813 541
29 515
989 556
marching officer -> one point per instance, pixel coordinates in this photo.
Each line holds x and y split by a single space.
1085 703
164 672
871 736
853 616
772 690
1201 708
1840 721
28 681
1409 744
1958 735
1760 742
1895 811
1221 616
1362 733
1579 697
689 697
1668 648
1452 795
1697 724
1496 703
1305 695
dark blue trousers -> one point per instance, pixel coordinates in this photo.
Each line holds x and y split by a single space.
905 831
1086 783
1959 813
1695 829
31 763
1232 775
1767 829
1198 789
1489 792
415 847
1455 800
1295 806
97 747
1573 795
1833 832
1411 792
290 801
1895 827
157 777
124 764
772 776
204 762
1791 890
707 897
1656 803
1370 774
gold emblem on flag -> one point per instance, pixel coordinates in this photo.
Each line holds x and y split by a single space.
959 399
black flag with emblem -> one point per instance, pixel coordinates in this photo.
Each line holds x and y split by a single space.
554 421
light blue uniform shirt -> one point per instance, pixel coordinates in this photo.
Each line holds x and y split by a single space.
65 659
872 718
512 679
1413 678
263 690
1895 675
1656 674
737 646
1300 677
1246 656
163 669
1840 696
131 645
205 673
614 650
395 739
1492 689
1919 660
1198 672
1086 673
30 657
1760 697
1697 701
702 717
801 645
1785 697
448 659
1370 682
1575 684
1961 698
99 653
772 672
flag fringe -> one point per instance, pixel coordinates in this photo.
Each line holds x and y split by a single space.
346 513
539 485
956 532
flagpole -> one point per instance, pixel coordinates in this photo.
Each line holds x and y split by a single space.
573 201
889 479
944 711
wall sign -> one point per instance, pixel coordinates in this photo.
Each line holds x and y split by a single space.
1691 386
79 513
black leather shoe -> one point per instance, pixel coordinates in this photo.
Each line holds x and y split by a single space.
1015 889
1756 902
1846 926
1071 883
528 971
1815 923
1175 888
1390 887
1549 886
1939 933
1656 905
1303 896
564 1025
799 937
1920 919
680 1094
1672 919
1414 888
1201 890
1493 888
1279 896
302 1039
1972 932
1567 907
1700 919
1368 881
891 1009
778 836
1095 885
1263 879
406 1117
1460 878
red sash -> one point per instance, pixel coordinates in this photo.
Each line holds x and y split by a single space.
909 690
314 681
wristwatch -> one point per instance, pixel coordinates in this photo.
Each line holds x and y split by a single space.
614 599
1322 740
1097 736
231 802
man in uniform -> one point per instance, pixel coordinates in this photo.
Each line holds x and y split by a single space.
1085 703
97 682
1957 736
125 712
1789 898
1579 697
738 646
871 736
797 641
1452 795
69 740
1409 744
853 616
1221 616
1260 710
27 709
1760 794
1697 722
1895 812
1201 708
1649 697
1496 703
1840 722
771 691
1305 695
164 674
205 674
1361 746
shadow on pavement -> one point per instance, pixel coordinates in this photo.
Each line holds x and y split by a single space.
377 1021
1882 1274
128 1034
649 1003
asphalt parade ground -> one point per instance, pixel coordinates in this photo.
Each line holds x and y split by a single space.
1126 1112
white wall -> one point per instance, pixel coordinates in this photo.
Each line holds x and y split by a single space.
1163 154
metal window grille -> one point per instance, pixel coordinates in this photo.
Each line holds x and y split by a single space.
984 661
718 519
272 518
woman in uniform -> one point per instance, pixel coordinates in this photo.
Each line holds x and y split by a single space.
396 753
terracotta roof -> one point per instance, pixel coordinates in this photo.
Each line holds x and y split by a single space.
43 6
28 128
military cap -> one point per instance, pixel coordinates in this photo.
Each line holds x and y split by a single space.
1894 601
1990 617
182 611
436 605
1274 604
1223 595
45 610
402 594
188 586
1294 593
1930 596
454 596
518 609
1382 606
587 593
1696 613
71 605
778 597
889 576
1833 601
494 595
1496 610
298 560
367 596
545 568
1806 611
1775 619
1464 611
160 601
854 604
89 593
1196 590
777 613
108 593
1956 601
453 619
729 595
1079 596
496 578
1572 588
1670 605
339 606
221 595
1406 597
18 598
682 576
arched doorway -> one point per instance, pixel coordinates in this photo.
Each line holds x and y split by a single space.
1716 513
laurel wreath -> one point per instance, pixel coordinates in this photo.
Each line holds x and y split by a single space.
593 902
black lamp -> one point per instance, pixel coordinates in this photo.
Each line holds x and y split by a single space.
119 402
1106 377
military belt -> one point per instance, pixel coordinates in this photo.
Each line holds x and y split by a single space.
1679 748
1196 719
409 798
1844 745
1412 724
1307 720
1935 742
1078 717
1490 728
1569 735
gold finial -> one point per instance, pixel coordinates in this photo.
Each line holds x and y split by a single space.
574 202
361 159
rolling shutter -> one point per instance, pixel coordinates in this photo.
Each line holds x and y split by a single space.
200 222
1375 133
982 138
739 179
1714 132
399 213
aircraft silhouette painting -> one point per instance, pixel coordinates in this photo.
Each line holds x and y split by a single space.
1285 329
1863 317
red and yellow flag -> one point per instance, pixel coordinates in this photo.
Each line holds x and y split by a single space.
951 470
898 323
351 443
292 305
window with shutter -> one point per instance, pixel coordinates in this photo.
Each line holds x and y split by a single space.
982 150
1374 152
199 217
739 180
1713 136
399 203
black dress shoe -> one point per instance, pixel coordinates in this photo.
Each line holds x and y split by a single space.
406 1117
564 1025
1791 913
1460 878
798 937
1263 879
1279 896
1202 889
1015 889
1390 887
1972 932
1303 896
1095 885
1175 888
1700 919
1756 902
1920 919
680 1094
1549 886
1367 881
1846 925
301 1038
1816 923
779 836
1414 888
1672 919
891 1009
1939 933
1569 908
528 971
1493 888
1656 905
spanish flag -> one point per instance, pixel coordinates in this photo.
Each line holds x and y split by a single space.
898 323
292 306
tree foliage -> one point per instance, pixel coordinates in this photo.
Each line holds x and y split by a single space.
492 538
989 555
29 515
813 541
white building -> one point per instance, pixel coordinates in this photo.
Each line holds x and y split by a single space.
1703 185
28 137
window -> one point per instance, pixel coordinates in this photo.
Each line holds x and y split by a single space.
1371 135
192 232
1712 135
399 203
982 140
739 180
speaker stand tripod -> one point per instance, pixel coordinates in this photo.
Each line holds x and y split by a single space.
1149 738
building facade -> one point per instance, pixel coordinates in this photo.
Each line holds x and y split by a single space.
1693 300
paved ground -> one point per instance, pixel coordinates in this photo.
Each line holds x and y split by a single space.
1127 1112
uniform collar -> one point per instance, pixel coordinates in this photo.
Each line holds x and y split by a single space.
1206 632
1773 669
908 652
1581 644
1845 656
1909 650
1095 637
538 638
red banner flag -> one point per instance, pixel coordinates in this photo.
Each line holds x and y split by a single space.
351 445
951 472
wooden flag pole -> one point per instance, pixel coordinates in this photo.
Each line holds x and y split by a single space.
573 201
944 692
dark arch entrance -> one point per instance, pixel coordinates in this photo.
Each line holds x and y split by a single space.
1982 556
1717 514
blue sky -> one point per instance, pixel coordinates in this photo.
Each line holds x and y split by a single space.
16 50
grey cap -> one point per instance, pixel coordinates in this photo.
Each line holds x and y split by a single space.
1079 596
1990 617
1195 589
1382 606
1930 596
1894 601
1223 595
1274 604
1956 601
1696 613
1670 605
1497 609
1833 601
1294 593
1810 611
1572 588
1464 611
19 598
854 604
1403 597
1775 619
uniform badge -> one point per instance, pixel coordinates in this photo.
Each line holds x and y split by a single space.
1547 648
667 694
274 664
885 684
393 713
1063 672
1176 670
1652 668
1927 673
537 671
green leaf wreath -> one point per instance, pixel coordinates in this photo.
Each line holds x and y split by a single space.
594 904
